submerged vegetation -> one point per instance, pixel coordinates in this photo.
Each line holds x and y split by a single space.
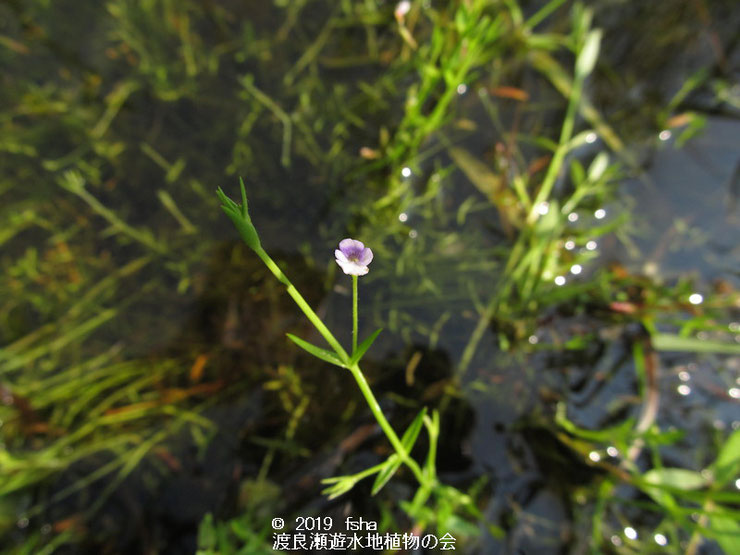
500 157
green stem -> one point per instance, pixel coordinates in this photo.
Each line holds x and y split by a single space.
426 481
302 304
387 428
354 315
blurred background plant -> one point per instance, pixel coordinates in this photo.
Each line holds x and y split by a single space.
555 267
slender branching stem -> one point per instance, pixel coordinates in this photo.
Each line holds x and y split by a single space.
386 427
424 480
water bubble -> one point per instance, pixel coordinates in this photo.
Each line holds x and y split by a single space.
650 268
616 540
533 340
559 280
612 451
413 234
543 208
591 245
630 532
684 389
734 326
402 217
696 298
594 456
591 137
660 539
22 522
734 392
46 529
719 425
664 135
737 483
572 217
684 376
462 88
576 269
570 245
406 172
600 214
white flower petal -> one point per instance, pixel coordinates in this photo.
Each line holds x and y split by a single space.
352 268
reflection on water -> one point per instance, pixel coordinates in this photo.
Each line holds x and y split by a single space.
685 210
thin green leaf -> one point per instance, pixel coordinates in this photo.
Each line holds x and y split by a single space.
391 465
587 57
245 205
725 468
318 352
394 461
676 478
364 346
670 342
412 432
726 531
225 200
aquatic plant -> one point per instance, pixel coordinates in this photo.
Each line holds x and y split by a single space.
353 257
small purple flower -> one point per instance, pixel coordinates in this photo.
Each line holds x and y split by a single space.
353 257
